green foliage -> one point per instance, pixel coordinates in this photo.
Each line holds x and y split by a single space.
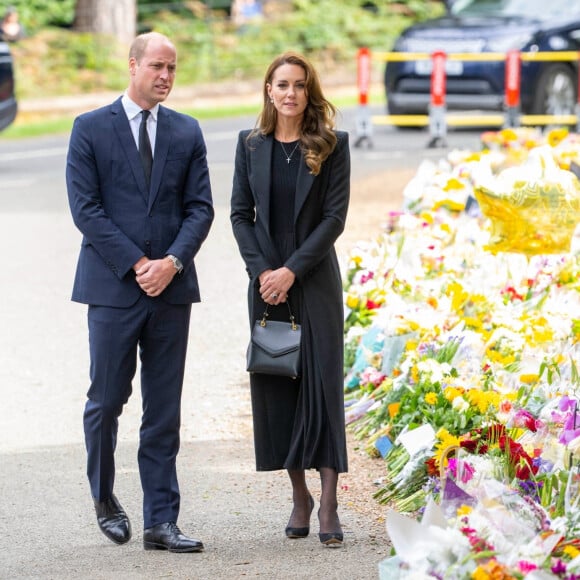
37 14
210 47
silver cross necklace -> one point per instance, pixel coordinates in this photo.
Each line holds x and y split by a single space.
289 157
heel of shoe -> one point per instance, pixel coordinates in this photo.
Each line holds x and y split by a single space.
152 546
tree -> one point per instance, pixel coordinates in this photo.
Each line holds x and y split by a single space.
117 18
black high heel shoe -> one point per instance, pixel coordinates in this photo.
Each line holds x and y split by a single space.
295 533
331 539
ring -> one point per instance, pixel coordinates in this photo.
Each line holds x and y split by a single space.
274 295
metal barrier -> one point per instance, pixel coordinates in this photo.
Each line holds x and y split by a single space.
438 120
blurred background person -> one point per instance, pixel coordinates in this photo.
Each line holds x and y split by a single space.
11 28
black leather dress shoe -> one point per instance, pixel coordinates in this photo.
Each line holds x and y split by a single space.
113 520
169 537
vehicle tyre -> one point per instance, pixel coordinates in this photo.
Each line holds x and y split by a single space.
555 91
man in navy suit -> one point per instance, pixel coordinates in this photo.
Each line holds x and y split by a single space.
139 192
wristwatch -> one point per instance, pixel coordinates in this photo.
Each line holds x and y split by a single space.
176 262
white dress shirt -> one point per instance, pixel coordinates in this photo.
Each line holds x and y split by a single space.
133 112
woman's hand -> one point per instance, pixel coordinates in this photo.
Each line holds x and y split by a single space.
275 284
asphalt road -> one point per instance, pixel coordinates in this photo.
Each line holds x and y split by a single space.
47 525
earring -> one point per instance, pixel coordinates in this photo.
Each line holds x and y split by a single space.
271 100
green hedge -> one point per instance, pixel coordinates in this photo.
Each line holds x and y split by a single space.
55 60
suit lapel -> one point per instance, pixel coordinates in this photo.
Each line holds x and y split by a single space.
123 131
162 140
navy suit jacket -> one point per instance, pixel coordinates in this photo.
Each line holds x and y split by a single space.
121 219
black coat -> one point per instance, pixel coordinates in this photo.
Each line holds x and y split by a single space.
320 211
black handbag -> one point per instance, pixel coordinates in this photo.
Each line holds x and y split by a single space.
274 347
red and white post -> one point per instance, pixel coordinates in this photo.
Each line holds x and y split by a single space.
513 79
437 108
364 126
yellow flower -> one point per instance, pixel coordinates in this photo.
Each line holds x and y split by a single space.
431 398
508 135
491 570
458 295
451 393
394 409
446 440
478 398
453 183
529 379
571 551
415 374
352 301
556 135
464 510
472 322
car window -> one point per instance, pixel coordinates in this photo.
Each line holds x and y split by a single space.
539 9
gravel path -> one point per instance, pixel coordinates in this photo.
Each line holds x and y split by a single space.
47 525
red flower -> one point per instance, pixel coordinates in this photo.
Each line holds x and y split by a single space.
518 458
431 465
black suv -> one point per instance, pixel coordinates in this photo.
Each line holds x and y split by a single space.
479 26
7 97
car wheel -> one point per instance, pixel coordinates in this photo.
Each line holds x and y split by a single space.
555 92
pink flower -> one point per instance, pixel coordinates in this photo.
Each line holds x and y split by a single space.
467 470
525 420
526 567
366 277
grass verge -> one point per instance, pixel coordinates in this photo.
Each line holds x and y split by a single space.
29 125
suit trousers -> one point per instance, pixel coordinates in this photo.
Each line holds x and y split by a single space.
158 332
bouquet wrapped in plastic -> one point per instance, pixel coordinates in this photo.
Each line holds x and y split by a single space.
533 208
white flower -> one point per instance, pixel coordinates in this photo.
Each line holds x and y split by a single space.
460 404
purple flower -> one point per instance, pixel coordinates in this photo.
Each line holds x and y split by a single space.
567 404
559 567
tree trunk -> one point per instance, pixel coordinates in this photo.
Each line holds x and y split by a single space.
117 18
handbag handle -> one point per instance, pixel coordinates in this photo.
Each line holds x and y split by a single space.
291 316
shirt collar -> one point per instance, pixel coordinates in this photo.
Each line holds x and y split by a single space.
133 109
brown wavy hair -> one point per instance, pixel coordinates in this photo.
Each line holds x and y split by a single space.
317 136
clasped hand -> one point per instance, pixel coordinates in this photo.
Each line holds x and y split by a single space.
275 284
153 276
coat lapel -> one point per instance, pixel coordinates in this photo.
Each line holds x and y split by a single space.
262 174
162 141
123 131
303 186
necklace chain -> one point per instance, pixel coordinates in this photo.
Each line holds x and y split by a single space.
289 157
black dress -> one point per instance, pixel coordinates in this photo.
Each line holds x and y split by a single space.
290 417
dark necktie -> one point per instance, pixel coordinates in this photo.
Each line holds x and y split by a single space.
145 146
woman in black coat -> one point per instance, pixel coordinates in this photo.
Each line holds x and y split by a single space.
289 204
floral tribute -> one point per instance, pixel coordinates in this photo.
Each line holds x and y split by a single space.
462 365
